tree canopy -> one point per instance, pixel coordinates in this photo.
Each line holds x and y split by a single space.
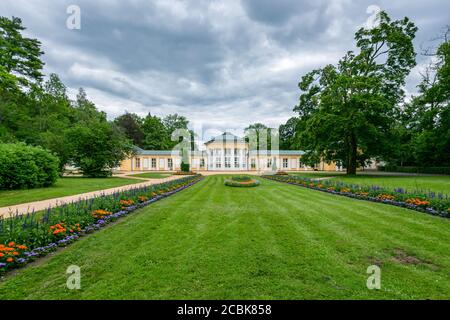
346 111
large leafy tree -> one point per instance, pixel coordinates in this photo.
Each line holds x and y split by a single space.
346 111
156 136
288 133
19 55
97 148
427 122
173 122
262 135
131 125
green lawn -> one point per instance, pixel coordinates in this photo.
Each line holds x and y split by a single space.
152 175
275 241
434 183
63 187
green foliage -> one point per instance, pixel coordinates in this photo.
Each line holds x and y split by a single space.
185 167
43 115
156 134
288 135
19 56
23 166
259 136
425 125
241 178
346 111
410 169
131 125
97 148
241 181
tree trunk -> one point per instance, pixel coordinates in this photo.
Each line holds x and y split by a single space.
351 167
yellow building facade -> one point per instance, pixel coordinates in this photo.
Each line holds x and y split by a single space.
225 152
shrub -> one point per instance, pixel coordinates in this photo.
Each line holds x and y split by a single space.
23 166
241 178
430 170
242 184
185 167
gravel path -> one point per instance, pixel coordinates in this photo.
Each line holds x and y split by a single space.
44 204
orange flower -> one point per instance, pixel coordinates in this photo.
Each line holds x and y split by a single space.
15 253
11 244
417 202
1 255
9 260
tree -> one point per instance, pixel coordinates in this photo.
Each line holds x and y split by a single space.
19 56
98 148
288 133
173 122
262 135
156 136
347 111
428 115
131 125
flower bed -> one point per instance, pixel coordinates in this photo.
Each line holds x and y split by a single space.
429 202
242 181
23 238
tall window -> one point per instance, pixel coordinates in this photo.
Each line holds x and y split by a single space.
253 163
202 163
236 151
153 163
227 151
170 163
218 162
227 162
269 162
236 162
285 162
137 162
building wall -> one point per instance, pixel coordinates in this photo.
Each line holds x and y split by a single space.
293 162
145 163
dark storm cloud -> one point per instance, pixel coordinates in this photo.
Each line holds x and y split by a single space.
221 63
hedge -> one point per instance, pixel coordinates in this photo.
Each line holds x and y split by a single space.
242 184
185 167
410 169
23 167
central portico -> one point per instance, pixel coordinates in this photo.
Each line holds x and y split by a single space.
227 152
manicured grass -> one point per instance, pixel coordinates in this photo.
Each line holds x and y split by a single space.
152 175
433 183
276 241
63 187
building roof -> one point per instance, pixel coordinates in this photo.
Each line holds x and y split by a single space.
155 152
226 136
280 152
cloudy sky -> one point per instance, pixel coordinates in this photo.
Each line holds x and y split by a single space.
223 64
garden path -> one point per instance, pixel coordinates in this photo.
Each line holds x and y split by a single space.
23 208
